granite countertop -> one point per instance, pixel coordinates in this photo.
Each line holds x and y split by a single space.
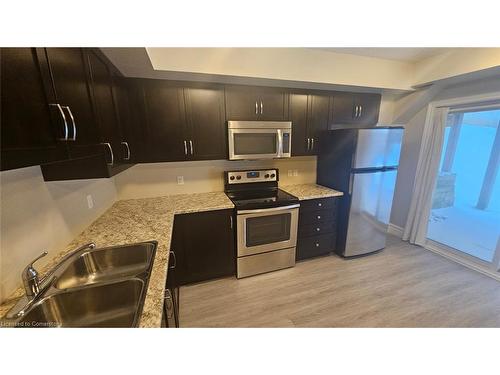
310 191
139 220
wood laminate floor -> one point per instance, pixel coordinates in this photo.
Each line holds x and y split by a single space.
402 286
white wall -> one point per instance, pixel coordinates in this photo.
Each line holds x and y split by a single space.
413 137
38 215
157 179
294 64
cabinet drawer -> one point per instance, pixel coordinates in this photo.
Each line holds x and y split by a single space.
314 246
315 217
318 204
316 229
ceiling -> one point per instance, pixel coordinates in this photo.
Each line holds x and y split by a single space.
394 53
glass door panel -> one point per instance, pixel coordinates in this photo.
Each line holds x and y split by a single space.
268 229
465 213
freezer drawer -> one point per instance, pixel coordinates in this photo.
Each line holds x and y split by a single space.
370 210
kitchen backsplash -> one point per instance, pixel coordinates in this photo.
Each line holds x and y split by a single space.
38 216
156 179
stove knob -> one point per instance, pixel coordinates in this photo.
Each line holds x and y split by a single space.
273 175
238 177
231 178
267 175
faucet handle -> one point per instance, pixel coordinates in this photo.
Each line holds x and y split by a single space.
30 277
30 265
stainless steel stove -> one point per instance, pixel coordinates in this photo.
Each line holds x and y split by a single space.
266 221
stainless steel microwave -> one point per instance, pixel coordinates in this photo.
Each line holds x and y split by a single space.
259 139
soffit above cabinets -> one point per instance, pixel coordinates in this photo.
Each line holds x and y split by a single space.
384 70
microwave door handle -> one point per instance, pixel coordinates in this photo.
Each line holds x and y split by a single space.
280 143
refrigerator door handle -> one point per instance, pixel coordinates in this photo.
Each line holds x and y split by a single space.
351 181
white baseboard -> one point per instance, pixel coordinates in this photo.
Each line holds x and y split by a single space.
395 230
431 246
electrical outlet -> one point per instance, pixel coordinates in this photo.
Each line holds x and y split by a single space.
90 201
290 173
295 172
180 180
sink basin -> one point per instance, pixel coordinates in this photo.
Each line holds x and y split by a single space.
103 305
92 287
102 265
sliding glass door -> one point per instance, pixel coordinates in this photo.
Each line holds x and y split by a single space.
465 213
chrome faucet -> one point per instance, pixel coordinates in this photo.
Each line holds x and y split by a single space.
31 281
35 286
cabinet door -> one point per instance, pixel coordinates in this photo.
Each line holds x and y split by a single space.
242 104
272 105
69 75
369 106
207 246
28 135
207 127
102 90
298 116
165 118
319 110
343 109
131 130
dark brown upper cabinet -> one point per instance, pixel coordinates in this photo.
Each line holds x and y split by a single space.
355 109
28 134
83 85
183 122
164 115
131 131
207 134
309 114
245 103
110 136
66 81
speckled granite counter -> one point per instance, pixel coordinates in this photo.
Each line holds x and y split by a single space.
138 220
310 191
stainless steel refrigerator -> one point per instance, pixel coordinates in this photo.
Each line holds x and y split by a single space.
363 164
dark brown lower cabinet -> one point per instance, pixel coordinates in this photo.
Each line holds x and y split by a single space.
203 244
317 228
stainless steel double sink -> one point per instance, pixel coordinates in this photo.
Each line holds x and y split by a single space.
94 288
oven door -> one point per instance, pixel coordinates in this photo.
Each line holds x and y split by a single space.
254 143
264 230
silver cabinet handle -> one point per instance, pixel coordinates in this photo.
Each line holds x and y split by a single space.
72 121
108 145
231 221
128 150
360 110
317 244
356 111
319 217
256 108
185 148
318 229
64 119
261 108
320 204
172 266
312 143
191 147
308 144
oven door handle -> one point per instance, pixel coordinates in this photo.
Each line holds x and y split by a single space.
268 209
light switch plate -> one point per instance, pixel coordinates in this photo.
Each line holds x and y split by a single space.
290 173
180 180
90 201
295 172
